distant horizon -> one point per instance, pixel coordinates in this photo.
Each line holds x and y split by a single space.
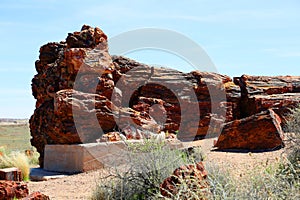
254 38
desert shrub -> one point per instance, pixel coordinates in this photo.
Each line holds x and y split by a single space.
18 160
221 184
3 151
270 184
34 159
149 163
188 188
292 129
291 169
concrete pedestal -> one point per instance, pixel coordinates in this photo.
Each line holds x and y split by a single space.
91 156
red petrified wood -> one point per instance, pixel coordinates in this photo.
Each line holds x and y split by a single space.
11 189
257 132
191 175
36 196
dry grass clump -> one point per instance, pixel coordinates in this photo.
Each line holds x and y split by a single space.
19 160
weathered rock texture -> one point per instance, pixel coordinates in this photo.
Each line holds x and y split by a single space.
37 196
259 93
194 176
19 190
82 92
79 81
10 174
11 189
259 131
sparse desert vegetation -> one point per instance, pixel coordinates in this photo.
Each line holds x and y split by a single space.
151 162
147 169
14 141
148 165
15 136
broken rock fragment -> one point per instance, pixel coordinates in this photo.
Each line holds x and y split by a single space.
257 132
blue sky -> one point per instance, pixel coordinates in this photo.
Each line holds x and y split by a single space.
241 37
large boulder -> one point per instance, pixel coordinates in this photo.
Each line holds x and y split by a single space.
257 132
83 57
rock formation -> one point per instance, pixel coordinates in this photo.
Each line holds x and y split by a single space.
193 176
12 189
19 190
259 131
82 92
259 93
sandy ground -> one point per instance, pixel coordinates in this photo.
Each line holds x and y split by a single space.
81 186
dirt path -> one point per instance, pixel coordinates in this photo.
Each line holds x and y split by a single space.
81 186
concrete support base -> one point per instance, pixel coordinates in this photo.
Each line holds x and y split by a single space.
91 156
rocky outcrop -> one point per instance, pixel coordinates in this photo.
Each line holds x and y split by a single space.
193 176
83 93
12 189
173 92
259 131
259 93
259 127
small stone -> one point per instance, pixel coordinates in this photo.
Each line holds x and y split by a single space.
187 174
37 196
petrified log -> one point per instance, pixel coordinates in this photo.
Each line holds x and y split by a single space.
12 189
191 175
80 89
259 93
37 196
257 132
11 174
181 95
76 117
